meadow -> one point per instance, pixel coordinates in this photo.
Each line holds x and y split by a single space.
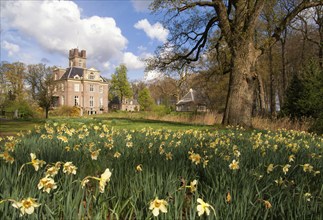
120 169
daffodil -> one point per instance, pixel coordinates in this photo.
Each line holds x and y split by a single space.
26 206
270 168
35 162
116 155
47 184
169 156
307 167
9 159
203 207
286 168
192 186
158 205
129 144
105 177
308 196
139 167
267 204
234 165
53 170
228 198
69 168
95 154
195 158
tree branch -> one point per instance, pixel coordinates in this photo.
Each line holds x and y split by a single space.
289 17
194 4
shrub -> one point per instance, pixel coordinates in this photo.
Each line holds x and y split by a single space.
66 111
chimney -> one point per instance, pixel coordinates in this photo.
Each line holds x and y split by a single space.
83 54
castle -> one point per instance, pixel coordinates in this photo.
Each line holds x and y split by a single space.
81 87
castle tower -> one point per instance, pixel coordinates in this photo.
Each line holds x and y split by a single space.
77 59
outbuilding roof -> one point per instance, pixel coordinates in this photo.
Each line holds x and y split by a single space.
191 96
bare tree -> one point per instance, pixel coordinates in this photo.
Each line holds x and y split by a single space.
41 81
191 23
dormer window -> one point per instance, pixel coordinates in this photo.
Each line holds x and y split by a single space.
91 76
76 77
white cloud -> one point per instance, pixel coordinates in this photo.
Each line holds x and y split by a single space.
132 61
141 5
151 75
57 26
10 47
155 31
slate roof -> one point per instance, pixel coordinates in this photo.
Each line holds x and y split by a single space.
71 72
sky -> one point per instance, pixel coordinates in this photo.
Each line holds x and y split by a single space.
111 31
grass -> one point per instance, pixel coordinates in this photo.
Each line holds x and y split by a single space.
118 121
12 127
171 156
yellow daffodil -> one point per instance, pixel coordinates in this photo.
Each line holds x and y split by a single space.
129 144
95 154
69 168
105 177
267 204
158 205
308 196
5 155
234 165
195 158
270 168
307 167
203 207
47 184
228 198
62 138
169 156
26 206
52 171
286 168
193 186
291 158
116 155
279 181
35 162
84 182
139 167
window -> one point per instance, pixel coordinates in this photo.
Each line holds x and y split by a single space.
101 102
62 87
91 88
76 87
91 76
80 63
101 89
63 100
91 101
76 100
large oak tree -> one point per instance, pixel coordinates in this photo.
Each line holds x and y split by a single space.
192 23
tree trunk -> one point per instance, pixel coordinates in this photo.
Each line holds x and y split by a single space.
261 93
240 97
272 84
283 60
46 112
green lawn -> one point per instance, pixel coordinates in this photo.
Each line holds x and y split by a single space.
12 127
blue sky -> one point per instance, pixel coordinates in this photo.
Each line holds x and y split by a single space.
111 31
